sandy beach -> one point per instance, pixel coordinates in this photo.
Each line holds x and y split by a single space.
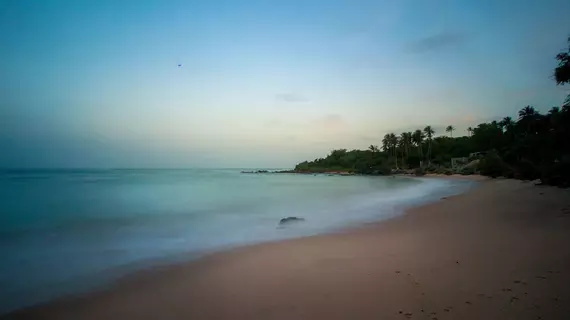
500 251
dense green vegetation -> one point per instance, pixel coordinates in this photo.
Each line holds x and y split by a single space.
532 146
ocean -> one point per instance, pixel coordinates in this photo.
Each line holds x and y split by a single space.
67 231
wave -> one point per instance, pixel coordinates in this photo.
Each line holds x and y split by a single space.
93 227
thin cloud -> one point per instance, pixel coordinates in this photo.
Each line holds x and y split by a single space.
290 97
437 42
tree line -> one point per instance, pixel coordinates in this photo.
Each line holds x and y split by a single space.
530 146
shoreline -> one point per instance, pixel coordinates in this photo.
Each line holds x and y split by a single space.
109 277
322 263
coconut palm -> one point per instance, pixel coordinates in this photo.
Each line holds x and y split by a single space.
402 149
527 112
389 144
527 118
429 132
450 129
418 139
406 139
554 110
507 123
386 143
393 142
373 148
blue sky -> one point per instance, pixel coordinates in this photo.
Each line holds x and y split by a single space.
263 83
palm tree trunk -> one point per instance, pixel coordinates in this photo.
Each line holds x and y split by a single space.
429 153
429 159
396 156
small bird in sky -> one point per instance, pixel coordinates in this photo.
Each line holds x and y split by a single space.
179 65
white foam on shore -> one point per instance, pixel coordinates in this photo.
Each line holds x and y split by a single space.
81 256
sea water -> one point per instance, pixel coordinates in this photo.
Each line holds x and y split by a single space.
65 231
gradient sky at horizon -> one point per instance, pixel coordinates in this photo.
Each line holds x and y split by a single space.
262 83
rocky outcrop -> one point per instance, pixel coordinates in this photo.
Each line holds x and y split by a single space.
258 171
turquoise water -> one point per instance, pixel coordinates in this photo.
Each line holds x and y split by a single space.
63 231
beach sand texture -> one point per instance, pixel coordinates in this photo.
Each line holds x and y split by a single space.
500 251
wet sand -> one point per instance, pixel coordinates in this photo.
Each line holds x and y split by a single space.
500 251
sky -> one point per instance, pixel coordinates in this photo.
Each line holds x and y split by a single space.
96 84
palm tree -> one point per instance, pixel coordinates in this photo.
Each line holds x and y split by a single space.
554 116
406 138
402 149
393 142
389 144
527 118
450 129
507 123
527 113
470 131
373 148
428 130
554 110
386 142
418 138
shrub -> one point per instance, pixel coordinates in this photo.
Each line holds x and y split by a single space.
526 170
492 165
419 172
509 173
431 168
467 171
439 170
556 174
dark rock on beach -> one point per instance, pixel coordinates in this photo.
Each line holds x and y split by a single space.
290 219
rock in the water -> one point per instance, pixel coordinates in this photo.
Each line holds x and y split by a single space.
290 219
